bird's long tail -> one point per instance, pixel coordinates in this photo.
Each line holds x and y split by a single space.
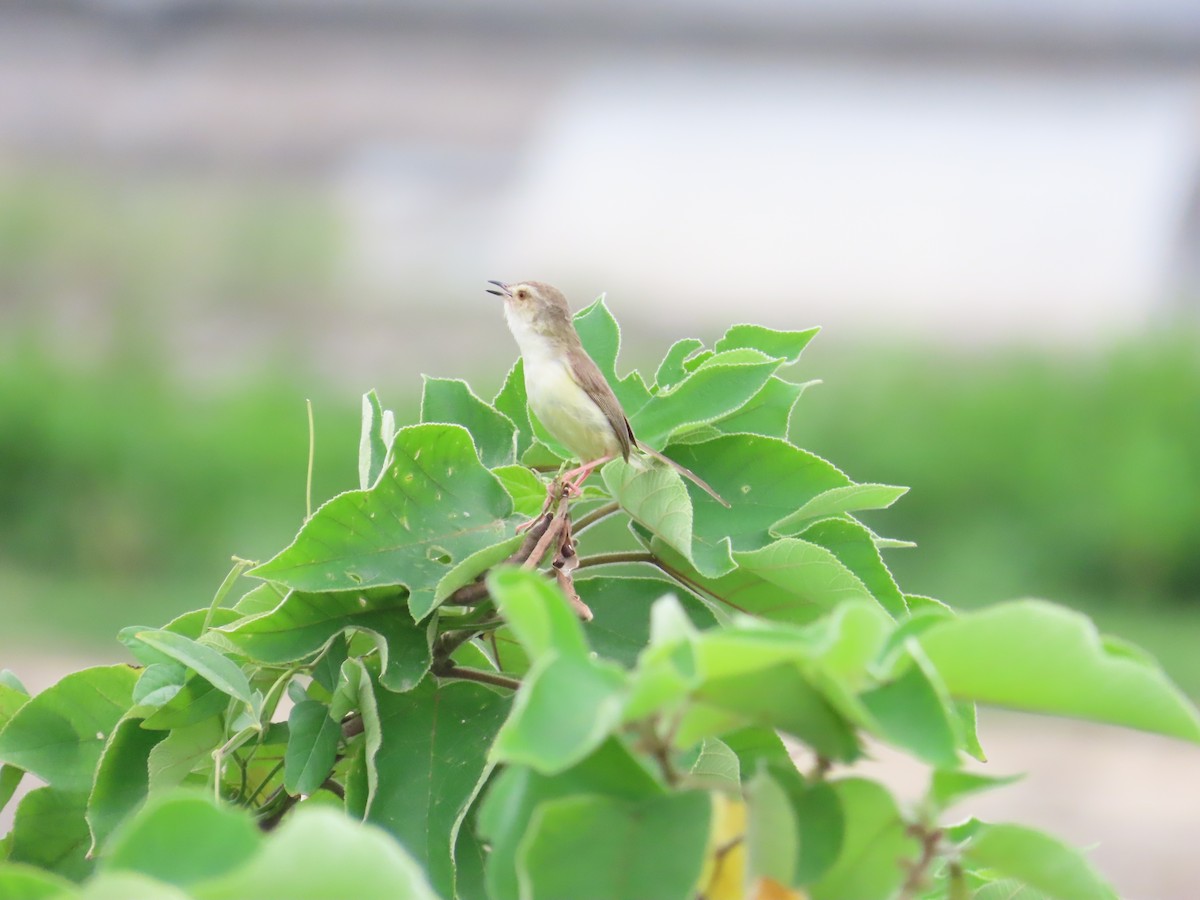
686 473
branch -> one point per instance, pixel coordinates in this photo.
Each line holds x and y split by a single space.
449 670
612 559
601 512
476 592
914 884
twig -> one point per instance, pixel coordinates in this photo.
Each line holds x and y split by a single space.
334 788
600 512
449 670
449 641
476 592
547 539
623 556
312 452
914 884
270 822
274 771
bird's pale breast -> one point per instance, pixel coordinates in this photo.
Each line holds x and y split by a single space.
566 410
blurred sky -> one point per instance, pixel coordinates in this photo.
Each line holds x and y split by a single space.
976 173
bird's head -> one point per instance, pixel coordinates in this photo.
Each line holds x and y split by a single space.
535 306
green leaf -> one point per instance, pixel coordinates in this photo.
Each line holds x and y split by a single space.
515 792
655 497
621 628
451 401
914 712
670 370
130 886
158 683
319 853
1035 656
874 846
9 679
565 708
789 580
716 764
433 506
822 829
263 598
512 402
787 345
19 881
475 565
853 545
768 412
378 427
311 749
599 848
779 697
837 501
527 490
431 762
1038 860
601 337
59 734
162 840
355 691
49 831
219 671
10 779
182 751
715 389
948 786
304 623
537 613
122 779
11 699
772 833
763 478
196 700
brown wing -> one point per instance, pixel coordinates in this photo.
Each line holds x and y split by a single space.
591 380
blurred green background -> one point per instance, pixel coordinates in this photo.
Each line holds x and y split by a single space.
127 483
211 213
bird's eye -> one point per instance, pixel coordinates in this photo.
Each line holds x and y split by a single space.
522 294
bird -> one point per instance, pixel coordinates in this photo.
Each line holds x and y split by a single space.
566 389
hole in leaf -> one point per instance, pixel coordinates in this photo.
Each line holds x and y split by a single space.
355 577
439 554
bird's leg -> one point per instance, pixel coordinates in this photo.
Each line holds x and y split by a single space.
556 490
573 479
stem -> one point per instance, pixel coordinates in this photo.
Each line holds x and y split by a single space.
596 515
312 452
449 641
914 885
623 556
493 678
352 725
269 822
822 767
239 566
552 532
258 790
334 788
659 747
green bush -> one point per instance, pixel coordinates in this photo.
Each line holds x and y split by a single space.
1071 475
500 742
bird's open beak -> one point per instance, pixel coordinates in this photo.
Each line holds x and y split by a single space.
503 292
